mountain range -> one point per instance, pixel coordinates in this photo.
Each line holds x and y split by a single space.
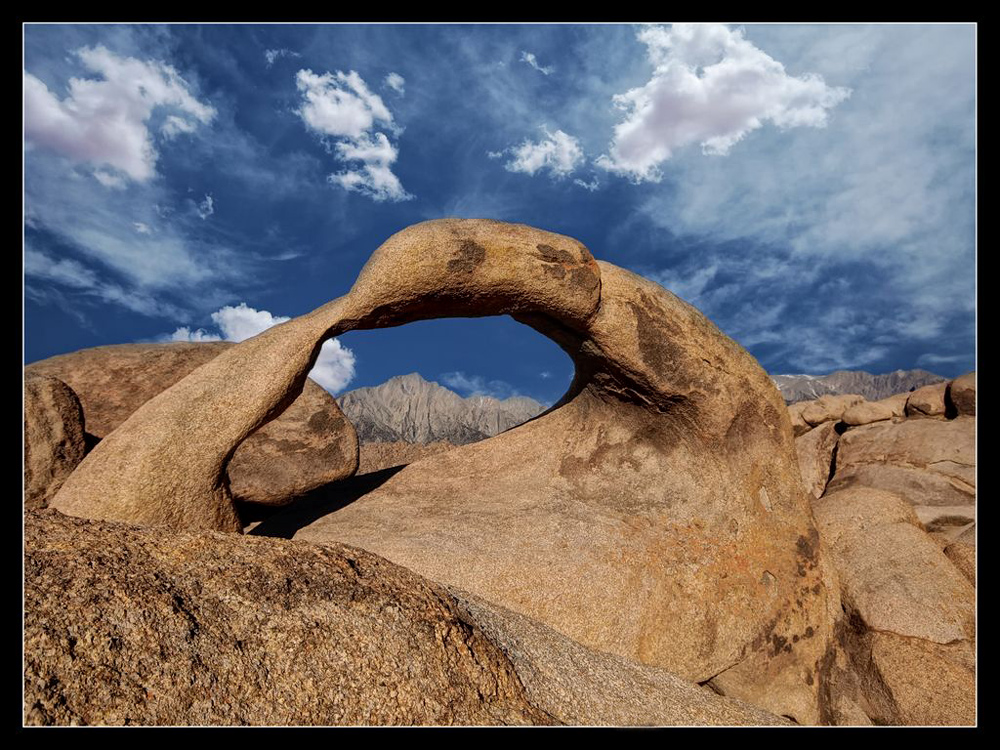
872 387
415 410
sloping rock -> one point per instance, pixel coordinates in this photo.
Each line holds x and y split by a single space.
945 521
309 445
929 462
829 408
53 437
961 394
867 412
799 425
962 552
126 625
913 613
656 512
815 453
379 456
927 401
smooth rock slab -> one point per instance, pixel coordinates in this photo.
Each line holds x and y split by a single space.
126 625
927 401
829 408
54 440
867 412
815 452
309 445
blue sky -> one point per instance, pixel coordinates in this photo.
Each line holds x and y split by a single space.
810 188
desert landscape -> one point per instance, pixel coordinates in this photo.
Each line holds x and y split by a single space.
669 544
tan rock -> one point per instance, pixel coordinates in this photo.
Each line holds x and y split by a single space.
799 425
961 394
912 613
53 437
309 445
929 462
962 552
927 401
815 452
208 628
829 408
896 404
379 456
945 520
656 512
867 412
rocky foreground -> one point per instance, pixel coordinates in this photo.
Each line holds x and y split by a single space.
659 548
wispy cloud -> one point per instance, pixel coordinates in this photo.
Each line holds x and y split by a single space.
557 153
271 56
477 385
341 107
712 87
334 367
529 57
207 207
105 122
396 82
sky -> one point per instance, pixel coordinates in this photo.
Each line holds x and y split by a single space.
810 188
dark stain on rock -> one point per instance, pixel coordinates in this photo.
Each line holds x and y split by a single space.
553 255
817 588
809 677
585 278
555 270
324 422
808 547
809 632
470 255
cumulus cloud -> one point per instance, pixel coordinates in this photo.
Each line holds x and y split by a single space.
559 153
340 108
711 87
273 55
477 385
530 58
396 82
104 122
334 367
207 207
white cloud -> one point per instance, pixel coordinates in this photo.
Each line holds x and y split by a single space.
712 87
530 58
142 227
273 55
103 122
334 368
591 186
396 82
477 385
207 207
558 152
112 181
341 107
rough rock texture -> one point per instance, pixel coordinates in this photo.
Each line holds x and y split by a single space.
126 625
53 437
867 412
378 456
912 612
815 452
799 425
656 512
829 408
410 409
927 401
962 552
797 388
961 394
896 404
929 462
309 445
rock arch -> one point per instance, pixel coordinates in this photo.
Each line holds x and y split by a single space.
655 512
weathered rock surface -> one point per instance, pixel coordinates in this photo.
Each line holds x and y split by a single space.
913 613
309 445
929 462
53 437
656 512
896 404
126 625
961 394
379 456
867 412
413 410
829 408
962 552
799 425
815 451
927 401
